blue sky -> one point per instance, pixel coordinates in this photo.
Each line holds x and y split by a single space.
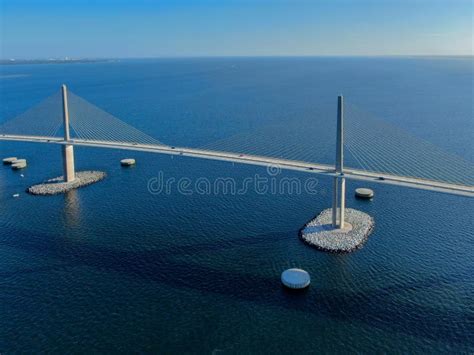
146 28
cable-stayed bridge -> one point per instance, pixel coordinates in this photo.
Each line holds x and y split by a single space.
366 148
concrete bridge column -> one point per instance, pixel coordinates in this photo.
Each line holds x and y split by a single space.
342 207
68 163
338 202
68 149
338 215
335 198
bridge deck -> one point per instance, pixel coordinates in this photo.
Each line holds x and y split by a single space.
307 167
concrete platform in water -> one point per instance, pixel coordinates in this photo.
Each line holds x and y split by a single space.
127 162
9 160
364 193
320 233
58 185
19 164
295 278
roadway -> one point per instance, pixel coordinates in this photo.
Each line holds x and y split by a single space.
308 167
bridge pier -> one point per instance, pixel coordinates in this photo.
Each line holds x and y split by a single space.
338 202
68 149
68 163
338 214
335 229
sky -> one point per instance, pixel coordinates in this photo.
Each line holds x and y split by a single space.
181 28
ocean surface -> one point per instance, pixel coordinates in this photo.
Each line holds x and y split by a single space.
113 267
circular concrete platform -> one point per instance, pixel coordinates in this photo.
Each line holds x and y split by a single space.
295 278
9 160
19 165
364 193
127 162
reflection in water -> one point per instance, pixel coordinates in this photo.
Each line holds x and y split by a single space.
72 208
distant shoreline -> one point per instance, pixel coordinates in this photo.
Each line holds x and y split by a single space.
49 61
99 60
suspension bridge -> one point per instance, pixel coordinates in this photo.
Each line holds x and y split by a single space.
378 151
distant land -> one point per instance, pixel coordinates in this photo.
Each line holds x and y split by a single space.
67 60
50 61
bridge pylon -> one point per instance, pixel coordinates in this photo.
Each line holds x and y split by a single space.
339 179
68 149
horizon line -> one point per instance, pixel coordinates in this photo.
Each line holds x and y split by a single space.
72 58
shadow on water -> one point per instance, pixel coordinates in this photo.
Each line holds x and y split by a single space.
377 308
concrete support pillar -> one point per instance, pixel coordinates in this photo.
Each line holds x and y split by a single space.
68 162
339 169
68 149
338 202
335 188
342 208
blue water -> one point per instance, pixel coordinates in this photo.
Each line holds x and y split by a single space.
114 268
